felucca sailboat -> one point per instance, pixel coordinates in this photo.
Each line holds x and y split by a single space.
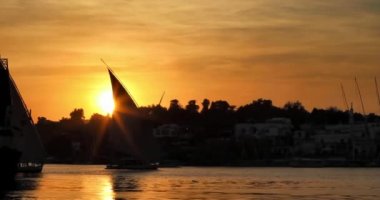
18 135
133 146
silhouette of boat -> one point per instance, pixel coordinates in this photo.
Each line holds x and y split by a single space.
133 164
133 145
20 146
9 154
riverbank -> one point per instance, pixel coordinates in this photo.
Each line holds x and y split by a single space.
299 162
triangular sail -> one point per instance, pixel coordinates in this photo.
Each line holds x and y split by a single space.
17 130
123 100
130 135
5 100
26 135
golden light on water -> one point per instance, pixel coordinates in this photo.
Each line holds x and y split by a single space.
107 192
105 102
97 187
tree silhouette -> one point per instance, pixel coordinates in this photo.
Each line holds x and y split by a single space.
219 118
176 112
294 106
192 107
77 114
205 105
259 110
174 105
221 106
296 112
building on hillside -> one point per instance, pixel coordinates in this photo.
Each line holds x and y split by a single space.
271 128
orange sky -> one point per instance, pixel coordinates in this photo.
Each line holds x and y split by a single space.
235 50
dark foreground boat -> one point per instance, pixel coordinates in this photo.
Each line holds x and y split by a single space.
9 154
30 167
8 166
20 146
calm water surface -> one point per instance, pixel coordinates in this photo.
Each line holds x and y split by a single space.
94 182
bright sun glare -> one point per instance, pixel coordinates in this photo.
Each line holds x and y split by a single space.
105 102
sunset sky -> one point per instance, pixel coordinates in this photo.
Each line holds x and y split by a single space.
234 50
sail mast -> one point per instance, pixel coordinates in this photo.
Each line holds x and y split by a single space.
344 97
377 91
163 94
360 95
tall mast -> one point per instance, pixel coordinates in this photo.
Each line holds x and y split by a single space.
377 91
360 95
163 94
344 97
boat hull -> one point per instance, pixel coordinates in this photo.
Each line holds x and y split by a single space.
133 167
8 166
30 167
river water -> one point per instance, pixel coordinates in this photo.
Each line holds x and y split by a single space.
94 182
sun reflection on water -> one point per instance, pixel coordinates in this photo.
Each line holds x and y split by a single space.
106 192
71 182
97 187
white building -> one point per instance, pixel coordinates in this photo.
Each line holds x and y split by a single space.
272 127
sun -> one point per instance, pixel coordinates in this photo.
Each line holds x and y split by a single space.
105 102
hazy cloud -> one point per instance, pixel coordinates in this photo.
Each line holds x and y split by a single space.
250 45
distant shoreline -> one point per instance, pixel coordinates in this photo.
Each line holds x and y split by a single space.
291 164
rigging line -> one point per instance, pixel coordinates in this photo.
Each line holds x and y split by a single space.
377 91
360 95
104 62
344 97
163 94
